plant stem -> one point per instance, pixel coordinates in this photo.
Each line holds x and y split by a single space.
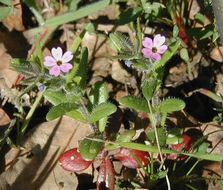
153 123
151 165
191 187
30 113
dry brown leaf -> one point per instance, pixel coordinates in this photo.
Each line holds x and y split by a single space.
101 67
4 118
5 58
194 9
111 11
215 135
40 169
98 46
121 75
217 54
7 75
14 21
219 83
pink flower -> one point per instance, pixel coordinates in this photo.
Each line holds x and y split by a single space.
58 62
153 49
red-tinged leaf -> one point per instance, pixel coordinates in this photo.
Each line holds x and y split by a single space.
182 32
106 175
185 145
133 158
72 161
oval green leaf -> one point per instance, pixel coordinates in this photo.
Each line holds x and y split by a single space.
101 111
133 102
54 97
60 110
126 136
162 137
89 149
171 105
149 88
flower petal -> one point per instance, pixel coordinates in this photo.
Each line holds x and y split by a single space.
49 61
156 57
148 43
55 71
162 49
57 53
147 52
67 56
66 67
158 40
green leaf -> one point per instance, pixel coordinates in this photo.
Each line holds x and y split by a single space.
77 14
81 73
210 94
161 132
60 110
73 4
101 111
184 55
33 6
89 149
152 8
171 105
129 15
99 93
30 70
172 49
78 115
6 2
133 102
73 15
149 88
174 140
200 18
90 28
154 149
102 124
161 174
122 44
4 12
201 34
175 31
203 147
54 97
126 136
141 65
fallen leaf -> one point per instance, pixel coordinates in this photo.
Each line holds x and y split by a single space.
4 118
217 54
5 58
98 46
9 76
14 21
121 75
40 168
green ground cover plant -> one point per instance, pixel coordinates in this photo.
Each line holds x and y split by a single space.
162 156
